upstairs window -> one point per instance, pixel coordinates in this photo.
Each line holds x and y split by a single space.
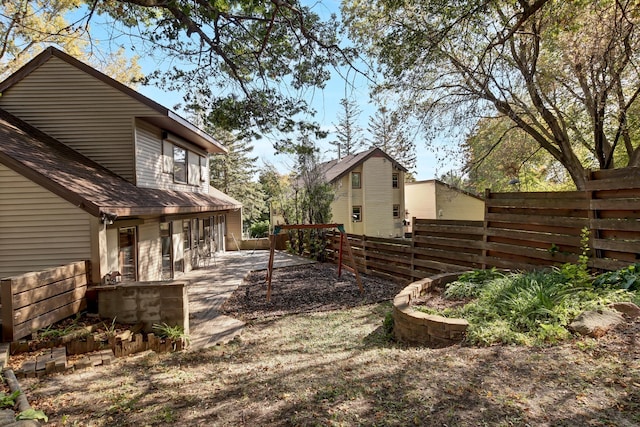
394 180
355 180
203 168
179 164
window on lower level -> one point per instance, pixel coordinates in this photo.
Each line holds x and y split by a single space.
356 213
396 211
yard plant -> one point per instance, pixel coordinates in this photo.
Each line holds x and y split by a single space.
534 307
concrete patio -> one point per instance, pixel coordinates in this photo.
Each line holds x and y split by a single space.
210 286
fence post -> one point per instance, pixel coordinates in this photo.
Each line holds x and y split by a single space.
592 215
485 239
413 248
6 296
363 241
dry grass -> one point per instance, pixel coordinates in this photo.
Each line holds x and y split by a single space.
338 368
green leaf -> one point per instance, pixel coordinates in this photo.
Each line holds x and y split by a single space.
32 414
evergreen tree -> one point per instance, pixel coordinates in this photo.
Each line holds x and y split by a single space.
233 173
388 133
348 133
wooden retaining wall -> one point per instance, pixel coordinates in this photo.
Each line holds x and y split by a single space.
520 231
36 300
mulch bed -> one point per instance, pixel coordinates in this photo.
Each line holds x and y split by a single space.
306 289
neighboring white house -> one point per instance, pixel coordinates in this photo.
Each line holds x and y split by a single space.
434 199
369 193
91 169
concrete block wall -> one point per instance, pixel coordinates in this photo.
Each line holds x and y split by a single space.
145 302
415 327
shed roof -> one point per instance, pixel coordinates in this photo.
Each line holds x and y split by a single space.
165 118
336 169
88 185
444 184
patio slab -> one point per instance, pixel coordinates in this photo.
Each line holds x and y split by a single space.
209 287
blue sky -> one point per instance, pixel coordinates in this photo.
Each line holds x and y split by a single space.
326 102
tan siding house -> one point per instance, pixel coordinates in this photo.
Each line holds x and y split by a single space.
434 199
90 169
32 239
369 195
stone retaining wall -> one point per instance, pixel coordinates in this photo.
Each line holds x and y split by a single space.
415 327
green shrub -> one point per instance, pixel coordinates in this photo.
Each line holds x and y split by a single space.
469 284
532 307
626 278
259 229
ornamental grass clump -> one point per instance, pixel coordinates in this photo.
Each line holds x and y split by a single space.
529 308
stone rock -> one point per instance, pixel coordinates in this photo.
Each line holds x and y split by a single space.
596 323
627 308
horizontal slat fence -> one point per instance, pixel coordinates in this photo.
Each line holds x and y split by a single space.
386 257
521 231
529 230
614 218
441 246
36 300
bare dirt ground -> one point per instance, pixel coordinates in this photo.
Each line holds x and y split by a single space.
339 368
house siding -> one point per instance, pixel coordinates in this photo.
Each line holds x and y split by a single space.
149 252
79 110
420 199
154 162
452 204
341 206
233 229
378 198
38 229
435 200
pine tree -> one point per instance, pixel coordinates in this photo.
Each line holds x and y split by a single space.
233 173
348 133
389 134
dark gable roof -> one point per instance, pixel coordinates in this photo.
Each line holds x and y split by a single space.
87 184
336 169
167 119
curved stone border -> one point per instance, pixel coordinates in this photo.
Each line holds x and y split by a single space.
415 327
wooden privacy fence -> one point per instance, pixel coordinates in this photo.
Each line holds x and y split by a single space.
520 231
36 300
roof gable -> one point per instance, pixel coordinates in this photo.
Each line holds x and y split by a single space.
88 185
336 169
161 116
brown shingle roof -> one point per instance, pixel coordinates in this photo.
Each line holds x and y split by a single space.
88 185
335 169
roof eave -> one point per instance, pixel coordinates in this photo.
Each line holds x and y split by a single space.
123 211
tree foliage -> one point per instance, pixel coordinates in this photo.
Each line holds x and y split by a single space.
28 27
233 174
501 157
348 133
236 55
565 73
389 133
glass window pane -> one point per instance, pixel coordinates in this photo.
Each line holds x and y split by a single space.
179 164
355 180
